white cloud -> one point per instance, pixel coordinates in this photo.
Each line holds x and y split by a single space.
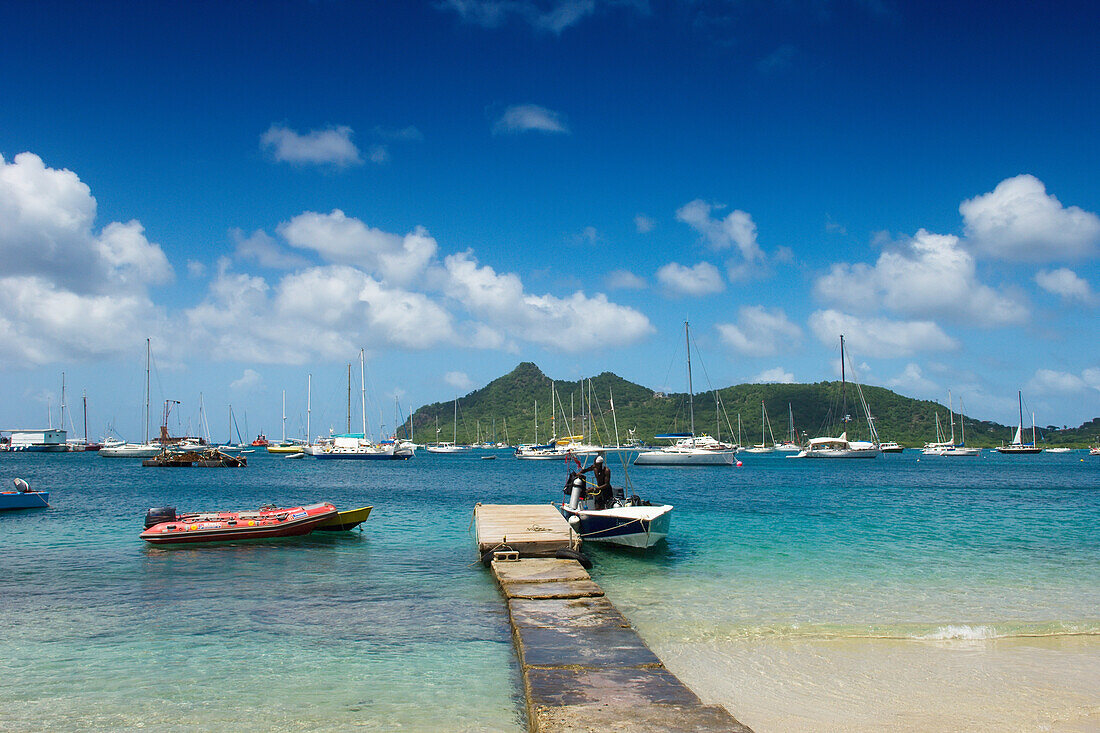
778 59
760 332
69 293
1050 382
378 154
573 323
321 312
1019 221
195 268
643 224
700 279
775 375
249 380
736 230
913 381
262 248
42 322
879 337
346 240
530 117
1066 283
459 380
624 280
331 146
548 15
927 275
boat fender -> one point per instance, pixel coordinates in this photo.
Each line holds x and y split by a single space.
156 515
567 554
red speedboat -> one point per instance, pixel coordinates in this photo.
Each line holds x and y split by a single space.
163 525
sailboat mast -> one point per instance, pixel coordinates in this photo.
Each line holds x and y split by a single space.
363 393
62 400
148 356
951 416
349 399
85 398
309 406
454 434
843 388
284 416
691 391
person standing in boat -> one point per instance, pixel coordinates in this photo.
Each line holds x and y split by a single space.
601 478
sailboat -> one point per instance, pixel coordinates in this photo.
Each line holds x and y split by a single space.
284 445
351 445
790 445
688 449
1018 445
950 447
841 447
145 449
452 446
763 447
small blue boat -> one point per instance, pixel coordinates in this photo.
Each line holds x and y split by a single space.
23 497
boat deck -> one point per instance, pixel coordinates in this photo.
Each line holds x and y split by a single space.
533 530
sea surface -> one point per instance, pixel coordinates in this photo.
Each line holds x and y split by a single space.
905 593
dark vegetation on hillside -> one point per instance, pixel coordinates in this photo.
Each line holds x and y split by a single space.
508 405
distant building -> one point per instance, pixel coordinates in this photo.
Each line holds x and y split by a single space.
659 395
49 439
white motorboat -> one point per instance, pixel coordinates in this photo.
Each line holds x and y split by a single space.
627 521
131 450
447 448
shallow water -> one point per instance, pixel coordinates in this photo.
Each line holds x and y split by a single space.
804 595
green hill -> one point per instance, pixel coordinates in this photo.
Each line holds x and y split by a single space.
508 404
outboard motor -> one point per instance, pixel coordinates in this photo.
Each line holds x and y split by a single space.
156 515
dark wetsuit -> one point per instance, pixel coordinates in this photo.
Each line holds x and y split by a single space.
601 491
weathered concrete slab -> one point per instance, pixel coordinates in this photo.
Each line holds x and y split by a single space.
583 647
584 667
564 589
532 529
539 570
615 718
630 686
559 612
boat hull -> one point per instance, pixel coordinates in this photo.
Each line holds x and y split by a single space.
233 526
840 453
346 520
638 527
685 458
24 499
130 451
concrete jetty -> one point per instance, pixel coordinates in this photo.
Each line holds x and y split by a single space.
584 667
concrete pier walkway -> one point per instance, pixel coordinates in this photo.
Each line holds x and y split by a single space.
584 667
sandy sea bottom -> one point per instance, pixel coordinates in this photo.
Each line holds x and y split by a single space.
1027 684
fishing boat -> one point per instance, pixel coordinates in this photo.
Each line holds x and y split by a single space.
23 498
891 447
164 526
841 447
1018 446
627 521
344 521
688 449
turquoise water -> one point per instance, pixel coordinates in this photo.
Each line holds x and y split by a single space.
395 628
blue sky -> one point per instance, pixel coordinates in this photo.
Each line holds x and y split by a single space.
461 185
